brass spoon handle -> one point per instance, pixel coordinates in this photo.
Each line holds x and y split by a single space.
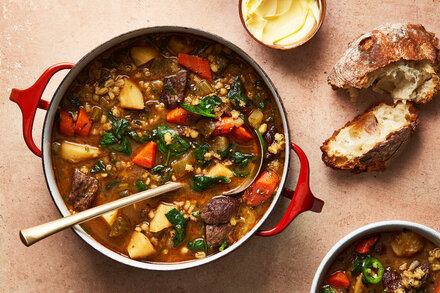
31 235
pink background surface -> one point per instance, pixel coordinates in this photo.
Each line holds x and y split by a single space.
37 34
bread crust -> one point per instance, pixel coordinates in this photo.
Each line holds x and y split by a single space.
380 47
381 155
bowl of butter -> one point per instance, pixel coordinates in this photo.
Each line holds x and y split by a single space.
282 24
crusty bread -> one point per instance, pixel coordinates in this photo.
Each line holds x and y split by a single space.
400 59
372 139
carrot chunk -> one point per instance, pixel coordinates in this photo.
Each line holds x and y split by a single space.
437 290
197 65
338 279
364 246
83 123
262 189
66 124
181 116
241 134
223 126
146 156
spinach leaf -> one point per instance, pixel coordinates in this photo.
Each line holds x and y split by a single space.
140 185
74 100
223 246
240 174
205 107
117 140
241 160
176 148
108 138
164 172
201 182
237 94
119 125
258 102
140 139
226 152
196 214
179 224
112 184
327 289
122 146
357 263
99 167
198 245
200 151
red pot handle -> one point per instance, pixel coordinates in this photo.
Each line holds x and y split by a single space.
302 198
30 99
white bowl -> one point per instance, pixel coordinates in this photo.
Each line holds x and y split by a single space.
386 226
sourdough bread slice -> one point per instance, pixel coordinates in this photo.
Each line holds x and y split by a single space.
399 59
372 139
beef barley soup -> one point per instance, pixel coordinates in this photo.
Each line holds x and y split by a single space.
168 108
399 262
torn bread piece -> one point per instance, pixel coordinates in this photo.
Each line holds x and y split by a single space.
372 139
399 59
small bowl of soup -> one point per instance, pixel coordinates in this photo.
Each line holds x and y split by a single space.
390 256
282 25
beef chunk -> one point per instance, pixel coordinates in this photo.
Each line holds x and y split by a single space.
392 280
217 234
174 89
415 277
83 191
269 137
219 210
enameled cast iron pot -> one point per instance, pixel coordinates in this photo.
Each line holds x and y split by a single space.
30 99
374 228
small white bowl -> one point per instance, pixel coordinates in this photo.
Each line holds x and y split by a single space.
386 226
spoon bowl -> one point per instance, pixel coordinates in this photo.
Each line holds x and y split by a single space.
255 172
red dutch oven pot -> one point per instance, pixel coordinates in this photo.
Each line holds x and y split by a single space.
30 99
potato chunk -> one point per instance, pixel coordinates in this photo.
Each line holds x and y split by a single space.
407 244
131 96
140 246
220 170
160 221
75 152
180 45
143 54
110 217
255 118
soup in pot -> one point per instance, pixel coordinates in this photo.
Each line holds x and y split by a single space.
166 108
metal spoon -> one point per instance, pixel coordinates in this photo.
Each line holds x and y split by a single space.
32 235
251 178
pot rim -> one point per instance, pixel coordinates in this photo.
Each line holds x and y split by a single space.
65 84
377 227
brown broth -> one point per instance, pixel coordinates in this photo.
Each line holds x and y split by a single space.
121 179
383 251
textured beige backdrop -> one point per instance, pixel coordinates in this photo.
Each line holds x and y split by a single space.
37 34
